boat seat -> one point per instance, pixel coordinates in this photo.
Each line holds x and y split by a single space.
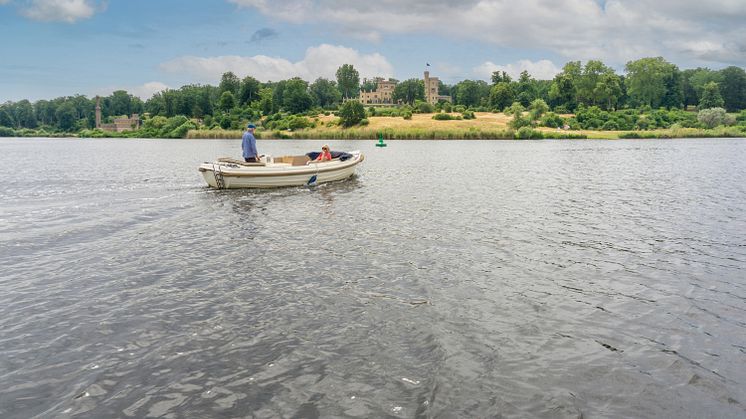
240 162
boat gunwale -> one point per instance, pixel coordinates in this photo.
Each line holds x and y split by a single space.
286 172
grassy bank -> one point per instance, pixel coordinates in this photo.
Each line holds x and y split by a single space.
487 126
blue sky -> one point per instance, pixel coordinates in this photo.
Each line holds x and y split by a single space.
53 48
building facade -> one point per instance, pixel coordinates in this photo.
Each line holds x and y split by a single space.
431 90
383 95
120 124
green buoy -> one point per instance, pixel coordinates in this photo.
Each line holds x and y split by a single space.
380 142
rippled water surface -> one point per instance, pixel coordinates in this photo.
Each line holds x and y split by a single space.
447 279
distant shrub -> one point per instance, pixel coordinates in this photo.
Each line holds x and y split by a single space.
469 115
424 107
7 132
445 117
181 130
298 122
352 113
407 115
363 122
561 109
712 117
552 120
528 133
459 108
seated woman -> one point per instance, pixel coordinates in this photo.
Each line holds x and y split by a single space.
325 155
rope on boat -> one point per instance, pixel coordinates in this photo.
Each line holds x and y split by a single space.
219 181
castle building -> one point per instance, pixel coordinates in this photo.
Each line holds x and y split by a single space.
120 124
382 95
431 90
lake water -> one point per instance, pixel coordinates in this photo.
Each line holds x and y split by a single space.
446 279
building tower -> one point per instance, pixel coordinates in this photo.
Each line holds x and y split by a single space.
98 112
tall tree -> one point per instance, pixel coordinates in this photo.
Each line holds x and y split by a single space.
6 120
501 95
563 92
266 101
711 97
500 77
249 90
369 85
471 93
591 75
700 77
229 82
227 101
608 90
733 88
120 103
649 80
348 81
296 98
409 90
23 114
66 116
325 92
525 88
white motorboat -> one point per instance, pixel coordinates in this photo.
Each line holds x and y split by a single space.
269 172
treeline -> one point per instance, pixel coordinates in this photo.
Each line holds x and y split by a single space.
651 83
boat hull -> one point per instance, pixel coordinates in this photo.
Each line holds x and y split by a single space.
227 176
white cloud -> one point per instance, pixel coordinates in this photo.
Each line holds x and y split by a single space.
320 61
615 30
59 10
541 70
144 91
4 2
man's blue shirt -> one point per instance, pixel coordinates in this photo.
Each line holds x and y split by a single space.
248 145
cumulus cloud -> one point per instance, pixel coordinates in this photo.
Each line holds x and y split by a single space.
59 10
320 61
614 30
541 70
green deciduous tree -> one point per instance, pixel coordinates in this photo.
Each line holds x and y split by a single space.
119 103
409 90
266 101
733 88
296 98
711 96
500 77
653 82
471 93
249 90
351 113
537 109
229 82
348 81
563 92
66 116
325 92
526 88
608 90
23 114
501 95
6 119
227 101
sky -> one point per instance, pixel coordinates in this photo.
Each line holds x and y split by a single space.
51 48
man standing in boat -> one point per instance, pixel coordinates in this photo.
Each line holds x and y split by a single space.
248 145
